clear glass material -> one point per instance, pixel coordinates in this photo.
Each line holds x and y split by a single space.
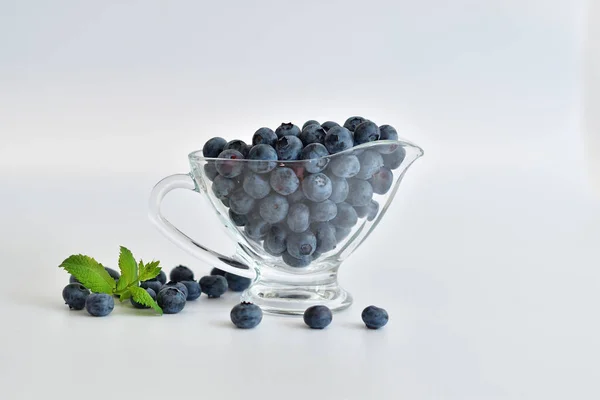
302 275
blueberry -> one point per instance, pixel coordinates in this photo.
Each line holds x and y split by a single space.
318 317
394 159
292 261
263 158
237 283
246 315
181 273
72 279
327 125
315 154
275 242
152 294
301 244
274 208
339 188
113 273
296 197
382 181
161 277
217 271
238 145
338 139
372 210
210 170
223 187
284 181
99 304
240 202
298 219
225 202
387 132
312 134
193 290
288 148
228 163
352 122
370 162
374 317
256 185
238 219
171 300
213 285
317 187
360 192
256 228
178 285
154 285
323 211
341 233
214 147
325 234
366 132
74 295
310 122
345 165
346 216
287 129
264 136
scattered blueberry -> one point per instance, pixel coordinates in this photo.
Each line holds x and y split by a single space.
296 262
179 285
256 185
360 192
317 187
181 273
152 294
99 304
318 317
264 136
327 125
287 129
240 202
72 279
316 156
310 122
374 317
284 181
161 277
193 290
238 145
154 285
274 208
214 147
338 139
394 159
238 219
228 163
382 181
346 216
366 132
345 165
217 271
301 244
298 218
323 211
325 234
312 134
370 162
263 158
246 315
237 283
74 295
275 242
339 188
288 148
171 300
113 273
213 285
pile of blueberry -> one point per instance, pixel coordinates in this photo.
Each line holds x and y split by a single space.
292 198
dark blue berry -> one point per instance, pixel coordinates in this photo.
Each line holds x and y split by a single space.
154 285
72 279
287 129
264 136
238 145
327 125
161 277
181 273
288 148
346 216
298 218
292 261
237 283
312 134
171 300
370 162
382 181
263 158
113 273
274 208
74 295
275 241
246 315
229 164
301 244
317 187
99 304
284 181
152 294
210 170
394 159
360 192
178 285
374 317
344 165
325 234
339 188
341 233
323 211
318 317
366 132
296 197
256 228
310 122
193 290
223 187
316 156
217 271
214 147
352 122
213 285
238 219
338 139
387 132
240 202
256 185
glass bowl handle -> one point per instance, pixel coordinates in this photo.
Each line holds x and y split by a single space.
185 181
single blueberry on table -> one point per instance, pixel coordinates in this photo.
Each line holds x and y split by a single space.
229 164
210 170
339 188
292 261
238 145
394 159
263 158
217 271
264 136
161 277
315 155
323 211
246 315
327 125
275 241
344 165
238 219
154 285
287 129
298 218
274 208
317 187
99 304
240 202
288 148
178 285
223 187
152 294
312 134
387 132
213 285
171 299
366 132
237 283
74 295
310 122
301 244
325 234
338 139
256 228
284 181
352 122
342 233
318 317
370 162
382 181
181 273
214 147
256 185
346 216
360 192
375 317
193 290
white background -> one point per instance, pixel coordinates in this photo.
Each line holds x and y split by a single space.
487 261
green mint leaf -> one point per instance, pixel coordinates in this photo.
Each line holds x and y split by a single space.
128 267
125 296
149 271
90 273
141 296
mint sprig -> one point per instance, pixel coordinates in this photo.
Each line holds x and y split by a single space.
93 276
